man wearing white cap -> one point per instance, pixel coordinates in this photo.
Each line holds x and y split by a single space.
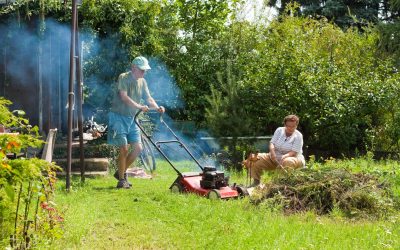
131 89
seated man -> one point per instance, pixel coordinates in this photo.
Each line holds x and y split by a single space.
285 151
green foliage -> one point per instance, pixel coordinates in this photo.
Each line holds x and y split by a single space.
201 27
389 39
343 14
26 186
222 113
15 144
389 42
239 78
202 20
29 8
395 5
331 78
229 106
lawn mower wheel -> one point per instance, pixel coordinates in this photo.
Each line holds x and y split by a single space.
176 188
214 194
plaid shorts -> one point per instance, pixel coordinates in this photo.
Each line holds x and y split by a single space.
122 130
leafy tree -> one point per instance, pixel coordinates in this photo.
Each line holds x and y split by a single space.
343 13
202 19
389 31
331 78
245 77
201 24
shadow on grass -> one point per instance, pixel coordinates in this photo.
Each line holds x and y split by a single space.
105 188
90 182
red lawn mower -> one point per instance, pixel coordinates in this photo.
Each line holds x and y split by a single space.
209 182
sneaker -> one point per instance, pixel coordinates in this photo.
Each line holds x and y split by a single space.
123 184
255 183
116 176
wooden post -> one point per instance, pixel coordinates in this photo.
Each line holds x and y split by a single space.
71 95
80 97
40 82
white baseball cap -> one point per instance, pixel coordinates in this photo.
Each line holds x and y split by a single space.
141 62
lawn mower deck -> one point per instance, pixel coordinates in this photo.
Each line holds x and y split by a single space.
191 182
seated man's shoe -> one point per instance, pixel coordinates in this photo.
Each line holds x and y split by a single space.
255 183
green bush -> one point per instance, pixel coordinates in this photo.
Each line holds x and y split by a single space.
28 216
344 93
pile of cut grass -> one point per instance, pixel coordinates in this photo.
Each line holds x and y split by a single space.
326 190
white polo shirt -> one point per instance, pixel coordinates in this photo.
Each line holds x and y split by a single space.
284 144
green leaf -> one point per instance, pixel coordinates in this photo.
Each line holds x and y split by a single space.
9 191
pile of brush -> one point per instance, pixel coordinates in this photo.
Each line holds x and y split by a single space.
327 190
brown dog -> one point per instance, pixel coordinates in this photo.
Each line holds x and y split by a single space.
248 163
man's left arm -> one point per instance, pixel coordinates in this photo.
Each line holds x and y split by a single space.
297 146
289 154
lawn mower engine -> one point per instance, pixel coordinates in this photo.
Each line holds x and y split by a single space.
213 179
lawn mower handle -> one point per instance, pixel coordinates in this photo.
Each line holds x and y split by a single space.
156 144
136 120
161 120
150 110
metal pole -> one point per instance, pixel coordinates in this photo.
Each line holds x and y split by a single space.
80 94
5 70
59 86
71 94
40 80
50 89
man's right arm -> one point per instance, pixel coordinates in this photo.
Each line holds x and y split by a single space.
272 146
272 151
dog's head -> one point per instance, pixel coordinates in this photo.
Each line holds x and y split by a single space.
252 157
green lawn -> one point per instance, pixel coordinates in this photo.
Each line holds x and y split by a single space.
98 216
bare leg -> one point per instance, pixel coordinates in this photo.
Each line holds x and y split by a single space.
264 163
122 158
131 157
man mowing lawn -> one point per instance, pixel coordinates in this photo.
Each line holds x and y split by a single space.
123 132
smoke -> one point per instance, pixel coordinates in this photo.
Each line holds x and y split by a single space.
104 61
34 68
23 43
182 143
163 86
39 49
27 48
36 62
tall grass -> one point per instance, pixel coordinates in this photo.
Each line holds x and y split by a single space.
148 216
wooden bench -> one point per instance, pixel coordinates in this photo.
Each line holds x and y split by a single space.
47 153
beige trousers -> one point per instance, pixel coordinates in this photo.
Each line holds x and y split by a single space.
264 162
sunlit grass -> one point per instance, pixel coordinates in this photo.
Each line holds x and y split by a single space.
148 216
